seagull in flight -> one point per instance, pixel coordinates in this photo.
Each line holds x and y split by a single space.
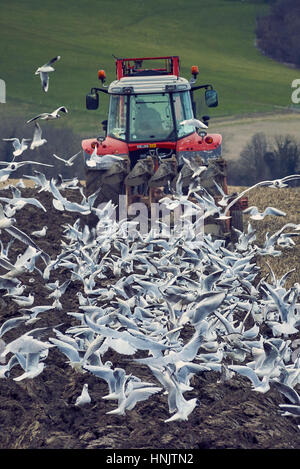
49 115
196 168
275 183
19 147
135 396
37 140
68 162
5 221
13 166
255 214
44 70
102 161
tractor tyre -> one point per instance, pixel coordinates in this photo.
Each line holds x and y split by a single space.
108 192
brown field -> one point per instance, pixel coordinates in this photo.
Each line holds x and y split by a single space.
287 200
40 413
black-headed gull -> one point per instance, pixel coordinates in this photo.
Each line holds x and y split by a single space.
13 165
40 233
257 384
255 214
19 147
194 123
135 396
102 161
275 184
84 397
68 162
24 300
44 70
49 115
37 139
196 168
5 221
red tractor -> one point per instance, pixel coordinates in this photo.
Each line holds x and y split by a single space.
152 135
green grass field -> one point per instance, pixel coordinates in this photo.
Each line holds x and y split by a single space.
218 36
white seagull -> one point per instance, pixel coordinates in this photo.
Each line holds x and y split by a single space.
194 123
40 233
84 397
135 396
103 161
255 214
68 162
49 115
37 139
196 168
257 384
19 147
24 300
44 70
5 221
13 166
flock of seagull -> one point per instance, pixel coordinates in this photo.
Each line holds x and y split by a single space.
143 292
159 286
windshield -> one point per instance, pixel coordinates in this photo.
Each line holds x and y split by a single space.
151 116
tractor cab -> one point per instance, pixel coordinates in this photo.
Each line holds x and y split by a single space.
150 104
152 135
154 115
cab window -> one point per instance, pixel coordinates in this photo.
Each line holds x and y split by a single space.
151 117
116 126
183 111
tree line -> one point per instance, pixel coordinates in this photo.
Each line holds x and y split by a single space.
265 159
278 33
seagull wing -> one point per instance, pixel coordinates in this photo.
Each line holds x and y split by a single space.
219 188
274 211
251 210
53 60
103 372
37 132
36 117
66 349
74 157
288 392
140 395
16 143
62 109
22 163
59 158
11 323
6 264
45 80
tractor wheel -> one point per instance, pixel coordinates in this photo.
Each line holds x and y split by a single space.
108 192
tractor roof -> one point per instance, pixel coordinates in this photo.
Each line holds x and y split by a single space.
149 84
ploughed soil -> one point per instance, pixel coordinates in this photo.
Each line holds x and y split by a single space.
40 413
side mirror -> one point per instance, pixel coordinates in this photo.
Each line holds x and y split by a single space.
205 119
92 101
211 98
